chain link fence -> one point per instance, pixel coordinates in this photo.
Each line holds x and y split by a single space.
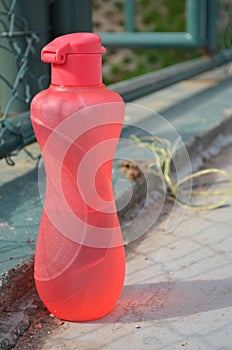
24 29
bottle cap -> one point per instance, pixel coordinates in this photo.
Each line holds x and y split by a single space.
76 59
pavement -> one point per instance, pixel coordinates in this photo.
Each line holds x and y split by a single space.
177 292
178 285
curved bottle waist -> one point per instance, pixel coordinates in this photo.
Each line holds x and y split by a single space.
78 157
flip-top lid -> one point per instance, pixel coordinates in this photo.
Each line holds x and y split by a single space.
75 58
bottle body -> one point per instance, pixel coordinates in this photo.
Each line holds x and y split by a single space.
79 260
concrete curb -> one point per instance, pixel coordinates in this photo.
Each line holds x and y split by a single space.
200 148
209 144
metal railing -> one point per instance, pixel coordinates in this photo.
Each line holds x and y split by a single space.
200 29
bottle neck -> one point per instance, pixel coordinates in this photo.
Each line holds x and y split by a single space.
78 70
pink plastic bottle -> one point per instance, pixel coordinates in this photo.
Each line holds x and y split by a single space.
79 261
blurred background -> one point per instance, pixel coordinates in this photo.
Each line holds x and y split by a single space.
151 16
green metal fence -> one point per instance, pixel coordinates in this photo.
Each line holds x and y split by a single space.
200 29
26 25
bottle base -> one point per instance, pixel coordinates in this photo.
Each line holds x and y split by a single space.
82 307
87 293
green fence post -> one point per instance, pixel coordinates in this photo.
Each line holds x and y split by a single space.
130 15
68 16
196 20
211 25
28 17
8 67
36 14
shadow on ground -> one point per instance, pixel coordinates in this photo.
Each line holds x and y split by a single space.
165 300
